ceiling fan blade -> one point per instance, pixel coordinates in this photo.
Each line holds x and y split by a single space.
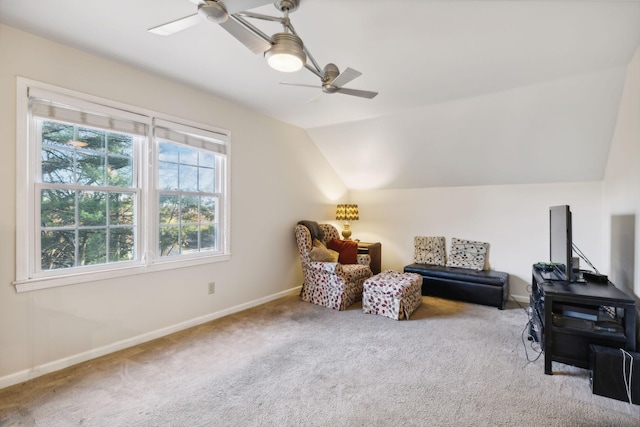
253 41
355 92
345 77
235 6
177 25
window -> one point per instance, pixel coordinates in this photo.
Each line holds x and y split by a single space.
188 191
108 190
87 195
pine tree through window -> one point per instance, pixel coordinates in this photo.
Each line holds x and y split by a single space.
87 196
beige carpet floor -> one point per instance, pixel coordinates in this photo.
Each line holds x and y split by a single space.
289 363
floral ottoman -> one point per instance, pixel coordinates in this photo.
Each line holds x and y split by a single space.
392 294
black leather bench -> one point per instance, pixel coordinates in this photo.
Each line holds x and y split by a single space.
487 287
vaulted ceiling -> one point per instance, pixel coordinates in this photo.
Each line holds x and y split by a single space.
470 92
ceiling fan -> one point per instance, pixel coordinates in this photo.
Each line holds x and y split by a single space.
333 80
284 51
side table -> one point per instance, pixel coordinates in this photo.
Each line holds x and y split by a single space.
375 252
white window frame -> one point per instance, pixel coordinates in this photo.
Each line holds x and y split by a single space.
27 201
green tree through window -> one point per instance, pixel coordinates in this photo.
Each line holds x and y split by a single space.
87 196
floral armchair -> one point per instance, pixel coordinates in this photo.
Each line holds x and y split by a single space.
330 284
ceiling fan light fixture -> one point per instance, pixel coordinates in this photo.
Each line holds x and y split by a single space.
286 53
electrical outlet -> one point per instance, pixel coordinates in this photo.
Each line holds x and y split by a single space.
212 287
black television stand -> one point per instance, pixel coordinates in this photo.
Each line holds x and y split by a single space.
568 317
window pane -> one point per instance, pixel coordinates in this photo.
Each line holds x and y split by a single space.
189 209
121 208
92 247
91 169
167 176
188 178
93 138
92 208
188 155
207 238
57 208
169 209
56 133
207 209
189 239
120 171
206 180
120 143
169 241
57 249
207 159
57 165
121 244
167 152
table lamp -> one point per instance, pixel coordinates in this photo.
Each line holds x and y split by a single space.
346 213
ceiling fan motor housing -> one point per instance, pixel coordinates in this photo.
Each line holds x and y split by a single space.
331 71
212 11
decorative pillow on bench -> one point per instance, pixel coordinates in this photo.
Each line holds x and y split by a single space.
467 254
430 250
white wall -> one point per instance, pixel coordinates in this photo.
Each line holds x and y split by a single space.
278 177
514 219
622 188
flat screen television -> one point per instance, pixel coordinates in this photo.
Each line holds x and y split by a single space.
560 243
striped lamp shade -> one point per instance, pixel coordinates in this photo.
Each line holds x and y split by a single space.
347 212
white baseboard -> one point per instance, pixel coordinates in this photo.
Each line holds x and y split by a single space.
59 364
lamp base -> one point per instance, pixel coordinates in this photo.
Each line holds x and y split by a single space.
346 233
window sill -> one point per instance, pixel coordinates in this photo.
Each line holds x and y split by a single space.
39 283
